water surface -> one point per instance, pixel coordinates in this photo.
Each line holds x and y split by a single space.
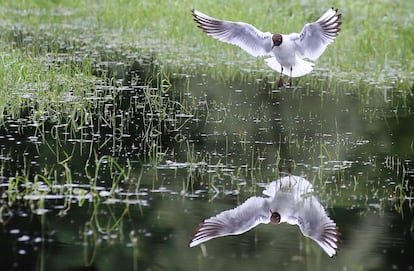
109 200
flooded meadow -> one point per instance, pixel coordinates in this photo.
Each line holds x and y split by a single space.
112 153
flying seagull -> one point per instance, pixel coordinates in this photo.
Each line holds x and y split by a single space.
287 51
289 199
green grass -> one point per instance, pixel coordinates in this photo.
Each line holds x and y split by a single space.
38 86
375 44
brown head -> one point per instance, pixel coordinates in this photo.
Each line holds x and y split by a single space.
277 39
275 217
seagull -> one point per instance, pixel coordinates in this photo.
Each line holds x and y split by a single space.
290 200
287 51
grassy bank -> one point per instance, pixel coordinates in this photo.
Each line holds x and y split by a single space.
375 44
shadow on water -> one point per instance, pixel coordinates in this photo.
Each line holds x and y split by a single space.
125 182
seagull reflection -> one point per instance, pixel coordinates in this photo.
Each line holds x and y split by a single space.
290 200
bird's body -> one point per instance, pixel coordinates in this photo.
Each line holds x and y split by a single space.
286 51
289 200
286 60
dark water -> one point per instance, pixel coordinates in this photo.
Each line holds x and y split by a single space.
126 190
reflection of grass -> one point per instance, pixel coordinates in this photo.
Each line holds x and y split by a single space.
58 183
108 204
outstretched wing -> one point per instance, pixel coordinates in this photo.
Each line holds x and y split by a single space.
316 36
315 223
232 222
244 35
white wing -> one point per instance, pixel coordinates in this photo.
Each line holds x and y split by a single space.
316 36
244 35
315 223
232 222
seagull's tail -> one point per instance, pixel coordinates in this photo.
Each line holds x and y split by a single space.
300 68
